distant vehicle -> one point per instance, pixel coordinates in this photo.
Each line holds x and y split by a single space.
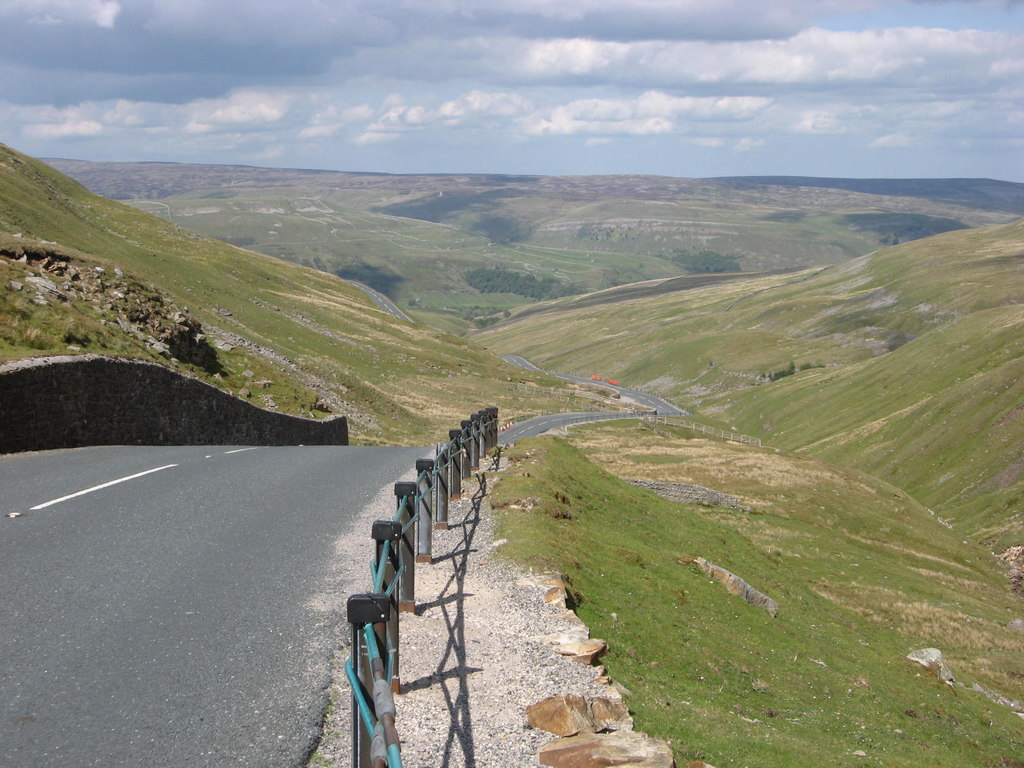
595 377
613 382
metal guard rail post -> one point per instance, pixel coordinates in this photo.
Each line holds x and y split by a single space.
373 668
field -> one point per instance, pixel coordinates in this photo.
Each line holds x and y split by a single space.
862 573
416 238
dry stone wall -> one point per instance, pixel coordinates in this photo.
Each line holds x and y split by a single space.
72 401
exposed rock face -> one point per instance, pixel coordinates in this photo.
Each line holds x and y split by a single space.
568 714
564 715
1014 557
139 310
685 493
738 586
931 659
621 748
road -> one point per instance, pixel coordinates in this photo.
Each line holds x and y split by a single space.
538 425
662 407
382 301
184 616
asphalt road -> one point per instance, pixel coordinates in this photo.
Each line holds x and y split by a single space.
538 425
662 407
184 617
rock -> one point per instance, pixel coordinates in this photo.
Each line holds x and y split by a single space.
1017 624
622 748
568 714
16 286
584 651
932 659
262 383
564 715
46 286
565 638
860 753
698 764
738 586
610 715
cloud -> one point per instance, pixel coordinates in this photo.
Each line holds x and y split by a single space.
652 112
100 13
244 108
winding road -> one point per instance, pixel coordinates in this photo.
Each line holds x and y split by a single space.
175 606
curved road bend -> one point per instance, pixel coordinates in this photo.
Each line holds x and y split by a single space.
661 407
184 617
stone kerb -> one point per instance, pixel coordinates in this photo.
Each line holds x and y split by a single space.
78 400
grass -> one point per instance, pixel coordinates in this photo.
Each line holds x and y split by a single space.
911 358
310 333
862 573
415 237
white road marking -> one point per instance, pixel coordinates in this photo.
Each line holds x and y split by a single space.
101 486
239 450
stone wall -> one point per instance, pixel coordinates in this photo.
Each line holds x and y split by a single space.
72 401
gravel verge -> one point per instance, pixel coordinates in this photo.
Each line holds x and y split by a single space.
471 657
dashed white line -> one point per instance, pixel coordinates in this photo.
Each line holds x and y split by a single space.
101 486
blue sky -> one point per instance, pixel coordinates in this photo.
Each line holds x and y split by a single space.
854 88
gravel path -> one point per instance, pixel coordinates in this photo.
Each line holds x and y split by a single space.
471 657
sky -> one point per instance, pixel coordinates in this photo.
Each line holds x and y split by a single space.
693 88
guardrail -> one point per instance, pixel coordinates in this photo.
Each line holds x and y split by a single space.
675 421
373 668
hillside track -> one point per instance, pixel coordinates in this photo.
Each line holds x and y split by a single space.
175 606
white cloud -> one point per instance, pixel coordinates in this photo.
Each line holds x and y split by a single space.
651 113
241 108
100 13
749 144
813 56
892 140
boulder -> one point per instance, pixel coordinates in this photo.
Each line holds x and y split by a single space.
583 651
564 715
610 714
738 586
627 749
568 714
931 658
1017 624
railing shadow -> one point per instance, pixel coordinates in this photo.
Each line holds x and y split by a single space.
452 672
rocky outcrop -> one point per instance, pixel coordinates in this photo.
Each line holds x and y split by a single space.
738 586
595 730
72 401
568 714
621 748
932 660
686 493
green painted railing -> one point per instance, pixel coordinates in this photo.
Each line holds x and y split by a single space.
373 668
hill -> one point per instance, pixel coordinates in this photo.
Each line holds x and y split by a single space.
83 274
860 572
906 363
473 247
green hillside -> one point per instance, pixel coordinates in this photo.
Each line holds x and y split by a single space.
906 363
862 575
420 239
285 336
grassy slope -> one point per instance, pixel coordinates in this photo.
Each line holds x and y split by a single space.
863 575
414 237
398 383
923 352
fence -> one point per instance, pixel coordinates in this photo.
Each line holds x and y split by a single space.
674 421
373 668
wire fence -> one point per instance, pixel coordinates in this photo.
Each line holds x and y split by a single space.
373 669
704 429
